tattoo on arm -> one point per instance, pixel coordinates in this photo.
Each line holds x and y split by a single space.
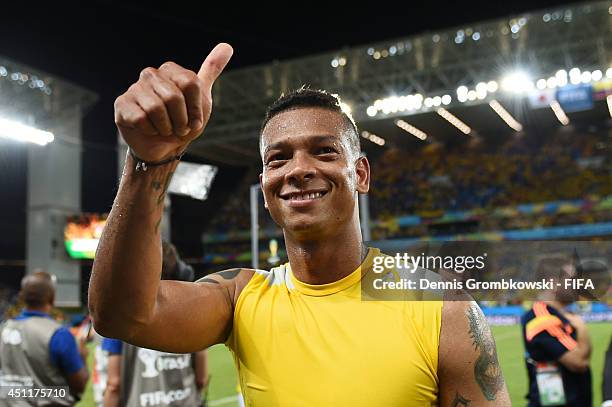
162 194
157 186
226 275
487 372
207 280
460 401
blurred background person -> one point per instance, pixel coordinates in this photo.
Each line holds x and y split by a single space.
37 351
606 386
557 343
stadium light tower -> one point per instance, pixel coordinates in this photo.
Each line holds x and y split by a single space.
505 116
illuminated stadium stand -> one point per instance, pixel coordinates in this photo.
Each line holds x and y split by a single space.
543 76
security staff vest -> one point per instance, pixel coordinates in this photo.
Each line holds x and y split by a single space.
150 378
25 361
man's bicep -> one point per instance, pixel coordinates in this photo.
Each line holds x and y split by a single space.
468 367
189 317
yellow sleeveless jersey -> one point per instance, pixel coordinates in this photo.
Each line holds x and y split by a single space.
296 344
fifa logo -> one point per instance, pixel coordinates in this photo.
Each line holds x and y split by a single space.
155 362
149 358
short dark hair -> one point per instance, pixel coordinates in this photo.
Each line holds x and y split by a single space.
306 97
37 289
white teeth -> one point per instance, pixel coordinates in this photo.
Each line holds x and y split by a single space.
303 197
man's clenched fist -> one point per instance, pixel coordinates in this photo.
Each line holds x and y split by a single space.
169 107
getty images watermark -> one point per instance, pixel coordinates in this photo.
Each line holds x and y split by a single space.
496 271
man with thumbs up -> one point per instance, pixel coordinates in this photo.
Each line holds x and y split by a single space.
300 333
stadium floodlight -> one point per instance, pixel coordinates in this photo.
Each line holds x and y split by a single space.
446 100
551 82
505 116
373 138
541 84
452 119
481 90
371 111
407 127
558 110
596 75
492 86
586 77
462 90
575 77
20 132
609 100
609 73
517 82
462 94
561 81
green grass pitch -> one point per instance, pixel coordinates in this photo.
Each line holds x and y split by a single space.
509 348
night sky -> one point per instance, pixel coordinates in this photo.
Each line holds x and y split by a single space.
105 44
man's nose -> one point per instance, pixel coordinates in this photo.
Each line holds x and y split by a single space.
301 168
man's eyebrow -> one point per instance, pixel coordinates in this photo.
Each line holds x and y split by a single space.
314 139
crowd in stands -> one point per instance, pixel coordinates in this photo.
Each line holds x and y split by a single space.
438 178
567 166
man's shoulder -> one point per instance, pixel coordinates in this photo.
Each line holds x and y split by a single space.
228 275
233 280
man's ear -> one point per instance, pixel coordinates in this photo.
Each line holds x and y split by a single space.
362 170
261 186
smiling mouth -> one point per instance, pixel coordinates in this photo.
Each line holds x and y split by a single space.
304 196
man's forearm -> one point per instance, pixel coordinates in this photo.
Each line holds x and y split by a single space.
126 272
111 398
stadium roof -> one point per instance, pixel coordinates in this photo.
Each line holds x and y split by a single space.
429 66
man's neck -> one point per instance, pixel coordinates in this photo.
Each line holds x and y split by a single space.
44 310
326 260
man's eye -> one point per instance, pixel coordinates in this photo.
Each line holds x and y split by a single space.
326 150
275 158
